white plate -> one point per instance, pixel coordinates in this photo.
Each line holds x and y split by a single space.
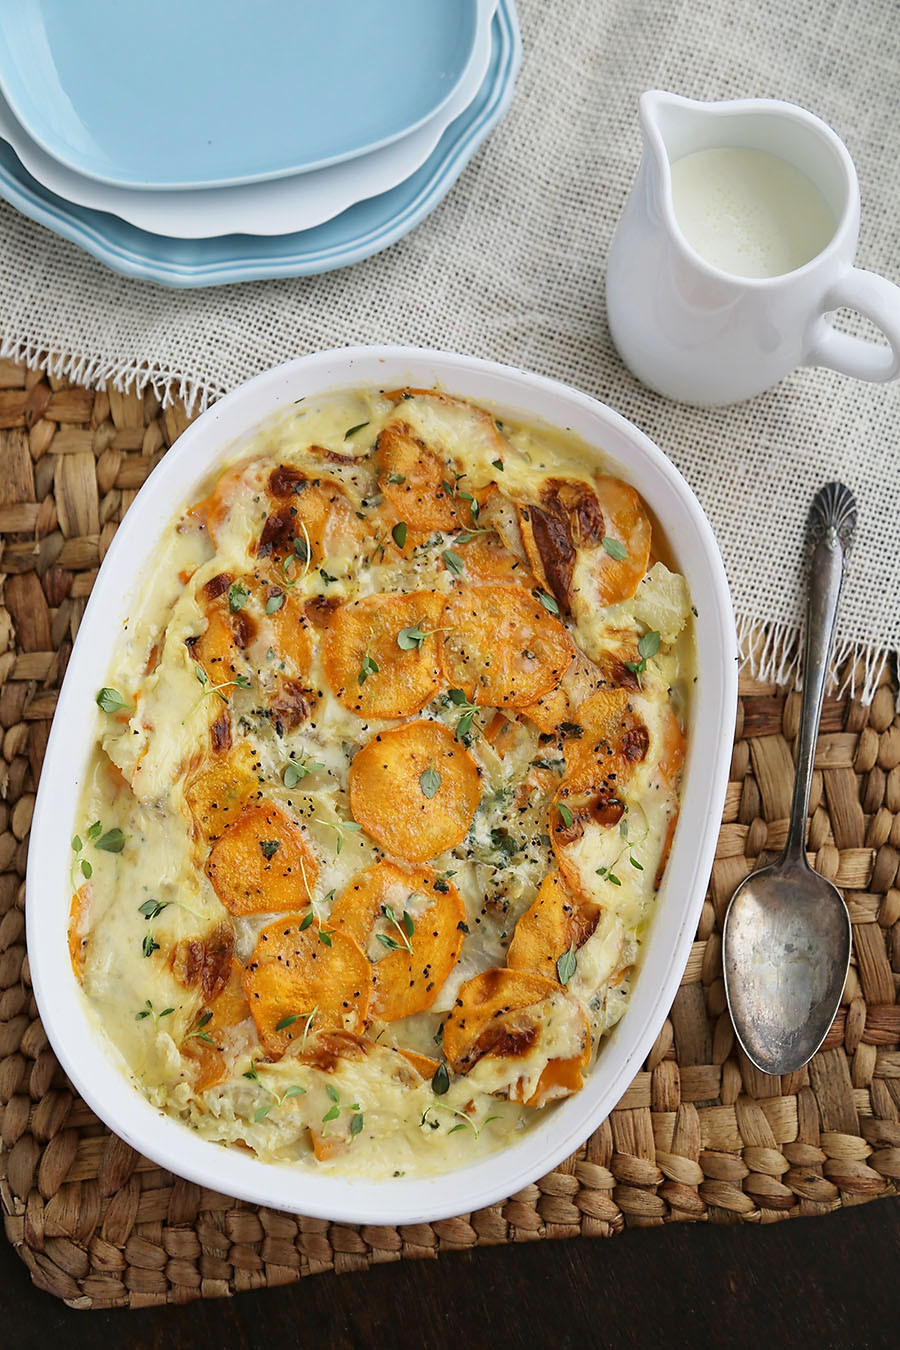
220 433
270 207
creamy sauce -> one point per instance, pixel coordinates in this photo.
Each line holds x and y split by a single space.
142 903
749 212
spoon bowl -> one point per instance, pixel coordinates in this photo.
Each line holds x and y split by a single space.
787 948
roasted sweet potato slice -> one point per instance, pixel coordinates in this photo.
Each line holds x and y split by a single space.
502 1017
394 794
500 732
204 962
483 1019
502 647
582 679
219 789
412 477
546 930
564 533
286 630
261 863
368 670
442 421
310 520
293 974
228 1008
669 746
259 616
626 521
600 764
429 918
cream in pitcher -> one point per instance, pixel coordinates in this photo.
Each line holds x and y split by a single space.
735 245
749 212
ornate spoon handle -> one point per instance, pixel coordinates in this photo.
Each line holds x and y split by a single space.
832 527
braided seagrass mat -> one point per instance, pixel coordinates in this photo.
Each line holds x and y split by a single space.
699 1135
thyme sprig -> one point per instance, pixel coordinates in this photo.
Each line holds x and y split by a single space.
199 1031
295 1090
466 1121
239 682
340 828
334 1110
148 1010
466 712
647 649
405 926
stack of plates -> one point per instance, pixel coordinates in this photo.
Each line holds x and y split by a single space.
234 142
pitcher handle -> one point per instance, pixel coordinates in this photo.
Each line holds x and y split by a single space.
878 300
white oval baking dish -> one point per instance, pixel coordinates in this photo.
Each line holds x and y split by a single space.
92 1064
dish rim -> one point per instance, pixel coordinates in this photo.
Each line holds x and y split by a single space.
96 1070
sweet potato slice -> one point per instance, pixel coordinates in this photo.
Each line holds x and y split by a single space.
546 930
487 559
502 1017
213 511
367 669
560 1078
228 1008
424 1065
412 478
215 650
261 863
670 746
581 680
264 616
286 630
440 419
404 982
564 532
293 974
310 520
388 794
502 647
626 521
612 740
483 1019
219 789
326 1147
600 764
79 927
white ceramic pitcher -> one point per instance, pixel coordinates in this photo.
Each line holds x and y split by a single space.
702 335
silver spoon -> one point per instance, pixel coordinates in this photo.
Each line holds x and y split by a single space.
786 941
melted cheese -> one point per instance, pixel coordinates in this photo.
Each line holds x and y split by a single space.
141 902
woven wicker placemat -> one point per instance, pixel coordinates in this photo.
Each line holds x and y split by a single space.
699 1135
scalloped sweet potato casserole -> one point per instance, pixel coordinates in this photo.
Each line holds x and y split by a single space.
386 777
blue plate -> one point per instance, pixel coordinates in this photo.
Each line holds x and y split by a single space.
207 93
357 233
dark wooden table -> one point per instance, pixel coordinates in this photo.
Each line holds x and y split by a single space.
825 1282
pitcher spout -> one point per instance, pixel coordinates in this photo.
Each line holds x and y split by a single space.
672 125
